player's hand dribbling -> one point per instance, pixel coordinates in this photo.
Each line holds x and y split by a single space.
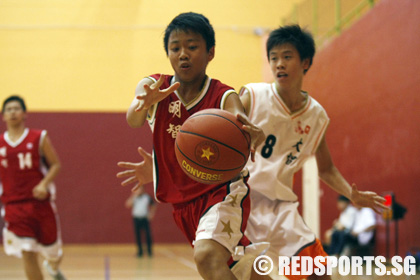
256 133
367 199
153 94
140 173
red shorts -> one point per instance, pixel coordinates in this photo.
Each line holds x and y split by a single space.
34 219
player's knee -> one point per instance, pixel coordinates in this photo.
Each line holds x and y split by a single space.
210 255
29 256
203 257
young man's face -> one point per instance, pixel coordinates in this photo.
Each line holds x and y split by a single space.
188 55
286 65
13 113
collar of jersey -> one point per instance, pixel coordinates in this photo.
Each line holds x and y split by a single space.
286 109
20 140
199 96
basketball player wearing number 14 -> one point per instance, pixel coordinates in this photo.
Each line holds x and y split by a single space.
27 193
295 126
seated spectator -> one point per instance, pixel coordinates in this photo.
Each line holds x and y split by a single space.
360 239
335 237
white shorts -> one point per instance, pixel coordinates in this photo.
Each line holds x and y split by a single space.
280 224
224 220
14 245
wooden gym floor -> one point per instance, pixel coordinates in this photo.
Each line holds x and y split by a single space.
118 262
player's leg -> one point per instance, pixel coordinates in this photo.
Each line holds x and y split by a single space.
222 227
49 239
31 265
19 237
280 224
211 259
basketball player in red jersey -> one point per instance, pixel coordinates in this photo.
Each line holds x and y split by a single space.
27 191
212 217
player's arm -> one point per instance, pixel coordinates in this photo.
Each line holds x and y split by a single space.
148 93
136 114
333 178
234 105
245 99
40 191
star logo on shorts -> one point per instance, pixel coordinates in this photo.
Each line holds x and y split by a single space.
9 241
233 202
227 228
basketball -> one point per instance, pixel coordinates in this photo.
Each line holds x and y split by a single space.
211 147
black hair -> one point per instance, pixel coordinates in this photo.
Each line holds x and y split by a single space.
301 39
343 198
191 22
14 98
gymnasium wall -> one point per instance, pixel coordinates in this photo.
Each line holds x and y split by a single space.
368 81
77 64
89 55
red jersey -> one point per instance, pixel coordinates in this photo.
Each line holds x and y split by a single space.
172 185
20 165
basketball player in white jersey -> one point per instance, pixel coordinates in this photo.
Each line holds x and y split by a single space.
295 126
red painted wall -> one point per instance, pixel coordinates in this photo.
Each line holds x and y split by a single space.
90 199
368 80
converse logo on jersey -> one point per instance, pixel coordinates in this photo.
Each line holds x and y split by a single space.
29 146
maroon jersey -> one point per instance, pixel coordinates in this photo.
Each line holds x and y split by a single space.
172 185
20 165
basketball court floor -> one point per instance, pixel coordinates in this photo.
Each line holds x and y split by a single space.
118 262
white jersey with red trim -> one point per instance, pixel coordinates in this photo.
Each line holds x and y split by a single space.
291 139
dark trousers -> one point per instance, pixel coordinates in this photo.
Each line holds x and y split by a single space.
339 239
142 224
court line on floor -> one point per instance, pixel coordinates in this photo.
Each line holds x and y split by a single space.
179 259
107 267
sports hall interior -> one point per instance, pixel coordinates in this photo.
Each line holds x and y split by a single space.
77 63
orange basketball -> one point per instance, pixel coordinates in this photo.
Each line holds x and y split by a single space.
211 147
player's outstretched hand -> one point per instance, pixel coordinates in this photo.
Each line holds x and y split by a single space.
139 173
153 94
367 199
256 133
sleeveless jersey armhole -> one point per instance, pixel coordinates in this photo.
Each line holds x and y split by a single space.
225 96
